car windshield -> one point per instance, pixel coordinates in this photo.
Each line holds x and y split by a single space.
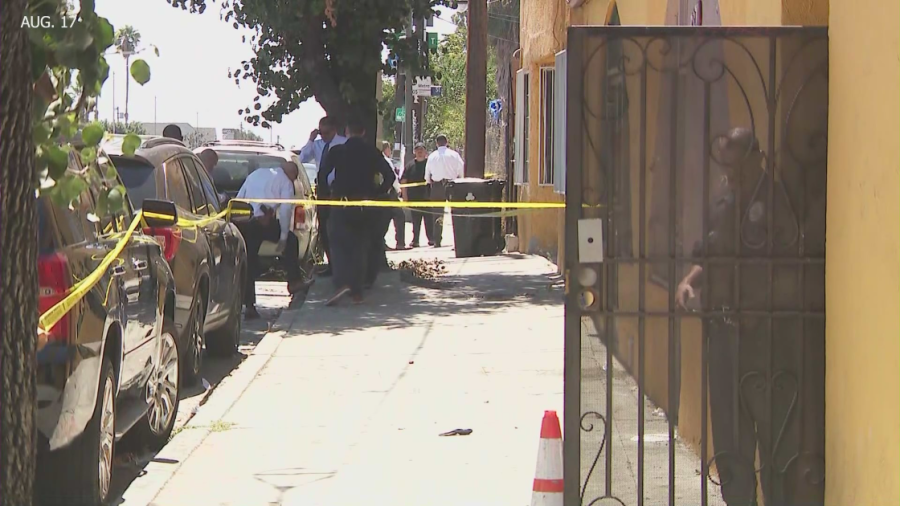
138 177
234 167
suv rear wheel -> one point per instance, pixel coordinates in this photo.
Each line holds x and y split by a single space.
224 342
82 472
162 392
193 345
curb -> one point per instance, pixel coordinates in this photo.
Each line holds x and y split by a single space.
144 489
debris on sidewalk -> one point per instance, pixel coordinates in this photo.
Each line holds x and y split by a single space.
422 272
456 432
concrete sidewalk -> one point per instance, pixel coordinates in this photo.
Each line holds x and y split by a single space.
348 408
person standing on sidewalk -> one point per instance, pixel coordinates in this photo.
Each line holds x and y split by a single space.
394 214
741 347
270 223
444 165
320 143
414 174
352 173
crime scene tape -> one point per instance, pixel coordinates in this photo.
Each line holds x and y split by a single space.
400 203
53 315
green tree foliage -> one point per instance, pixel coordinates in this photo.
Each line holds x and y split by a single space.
128 39
120 127
329 50
69 56
447 114
247 135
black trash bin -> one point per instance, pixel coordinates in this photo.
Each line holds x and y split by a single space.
476 236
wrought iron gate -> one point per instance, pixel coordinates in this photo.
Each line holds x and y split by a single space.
695 239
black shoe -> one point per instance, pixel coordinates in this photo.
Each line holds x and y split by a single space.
414 245
430 243
437 245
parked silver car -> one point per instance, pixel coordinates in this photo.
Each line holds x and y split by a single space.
237 159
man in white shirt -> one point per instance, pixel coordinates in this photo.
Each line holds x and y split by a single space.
271 222
320 142
444 165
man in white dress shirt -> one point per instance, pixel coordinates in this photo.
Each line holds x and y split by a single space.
320 142
444 165
270 222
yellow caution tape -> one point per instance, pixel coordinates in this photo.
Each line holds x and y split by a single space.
53 315
400 203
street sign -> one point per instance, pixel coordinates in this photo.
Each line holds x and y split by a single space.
423 87
436 91
432 40
400 115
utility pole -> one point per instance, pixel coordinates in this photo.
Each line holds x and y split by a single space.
399 101
476 87
423 51
408 124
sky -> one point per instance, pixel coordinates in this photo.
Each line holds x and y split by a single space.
189 80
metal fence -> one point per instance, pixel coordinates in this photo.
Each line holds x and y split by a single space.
695 239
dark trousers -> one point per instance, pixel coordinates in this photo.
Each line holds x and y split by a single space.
438 194
396 215
255 232
350 232
377 256
744 422
322 217
420 218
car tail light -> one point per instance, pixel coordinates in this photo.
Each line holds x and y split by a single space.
299 217
168 238
54 282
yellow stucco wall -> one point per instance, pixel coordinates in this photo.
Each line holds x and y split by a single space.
862 367
862 285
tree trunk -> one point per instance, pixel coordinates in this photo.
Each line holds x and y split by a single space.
18 263
127 83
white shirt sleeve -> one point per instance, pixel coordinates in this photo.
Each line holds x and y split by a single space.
308 152
285 191
460 166
428 165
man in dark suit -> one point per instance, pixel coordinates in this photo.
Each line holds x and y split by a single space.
351 172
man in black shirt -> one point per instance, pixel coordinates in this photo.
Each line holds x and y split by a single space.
414 173
351 173
745 353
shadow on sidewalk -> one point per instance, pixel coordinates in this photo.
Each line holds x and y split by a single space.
394 303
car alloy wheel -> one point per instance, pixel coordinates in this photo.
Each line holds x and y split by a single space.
107 436
162 391
196 343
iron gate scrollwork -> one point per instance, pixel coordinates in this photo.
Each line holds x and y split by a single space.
695 352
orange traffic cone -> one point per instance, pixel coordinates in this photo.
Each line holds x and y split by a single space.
548 477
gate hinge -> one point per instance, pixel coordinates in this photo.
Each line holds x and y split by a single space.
566 282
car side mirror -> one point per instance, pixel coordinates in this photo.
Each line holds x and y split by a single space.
241 212
159 213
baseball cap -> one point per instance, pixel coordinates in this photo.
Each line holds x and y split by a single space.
419 145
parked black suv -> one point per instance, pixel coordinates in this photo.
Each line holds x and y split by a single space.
209 260
111 364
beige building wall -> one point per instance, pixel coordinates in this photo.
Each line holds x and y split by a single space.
861 283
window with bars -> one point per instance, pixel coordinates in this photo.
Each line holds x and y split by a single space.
523 129
547 123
